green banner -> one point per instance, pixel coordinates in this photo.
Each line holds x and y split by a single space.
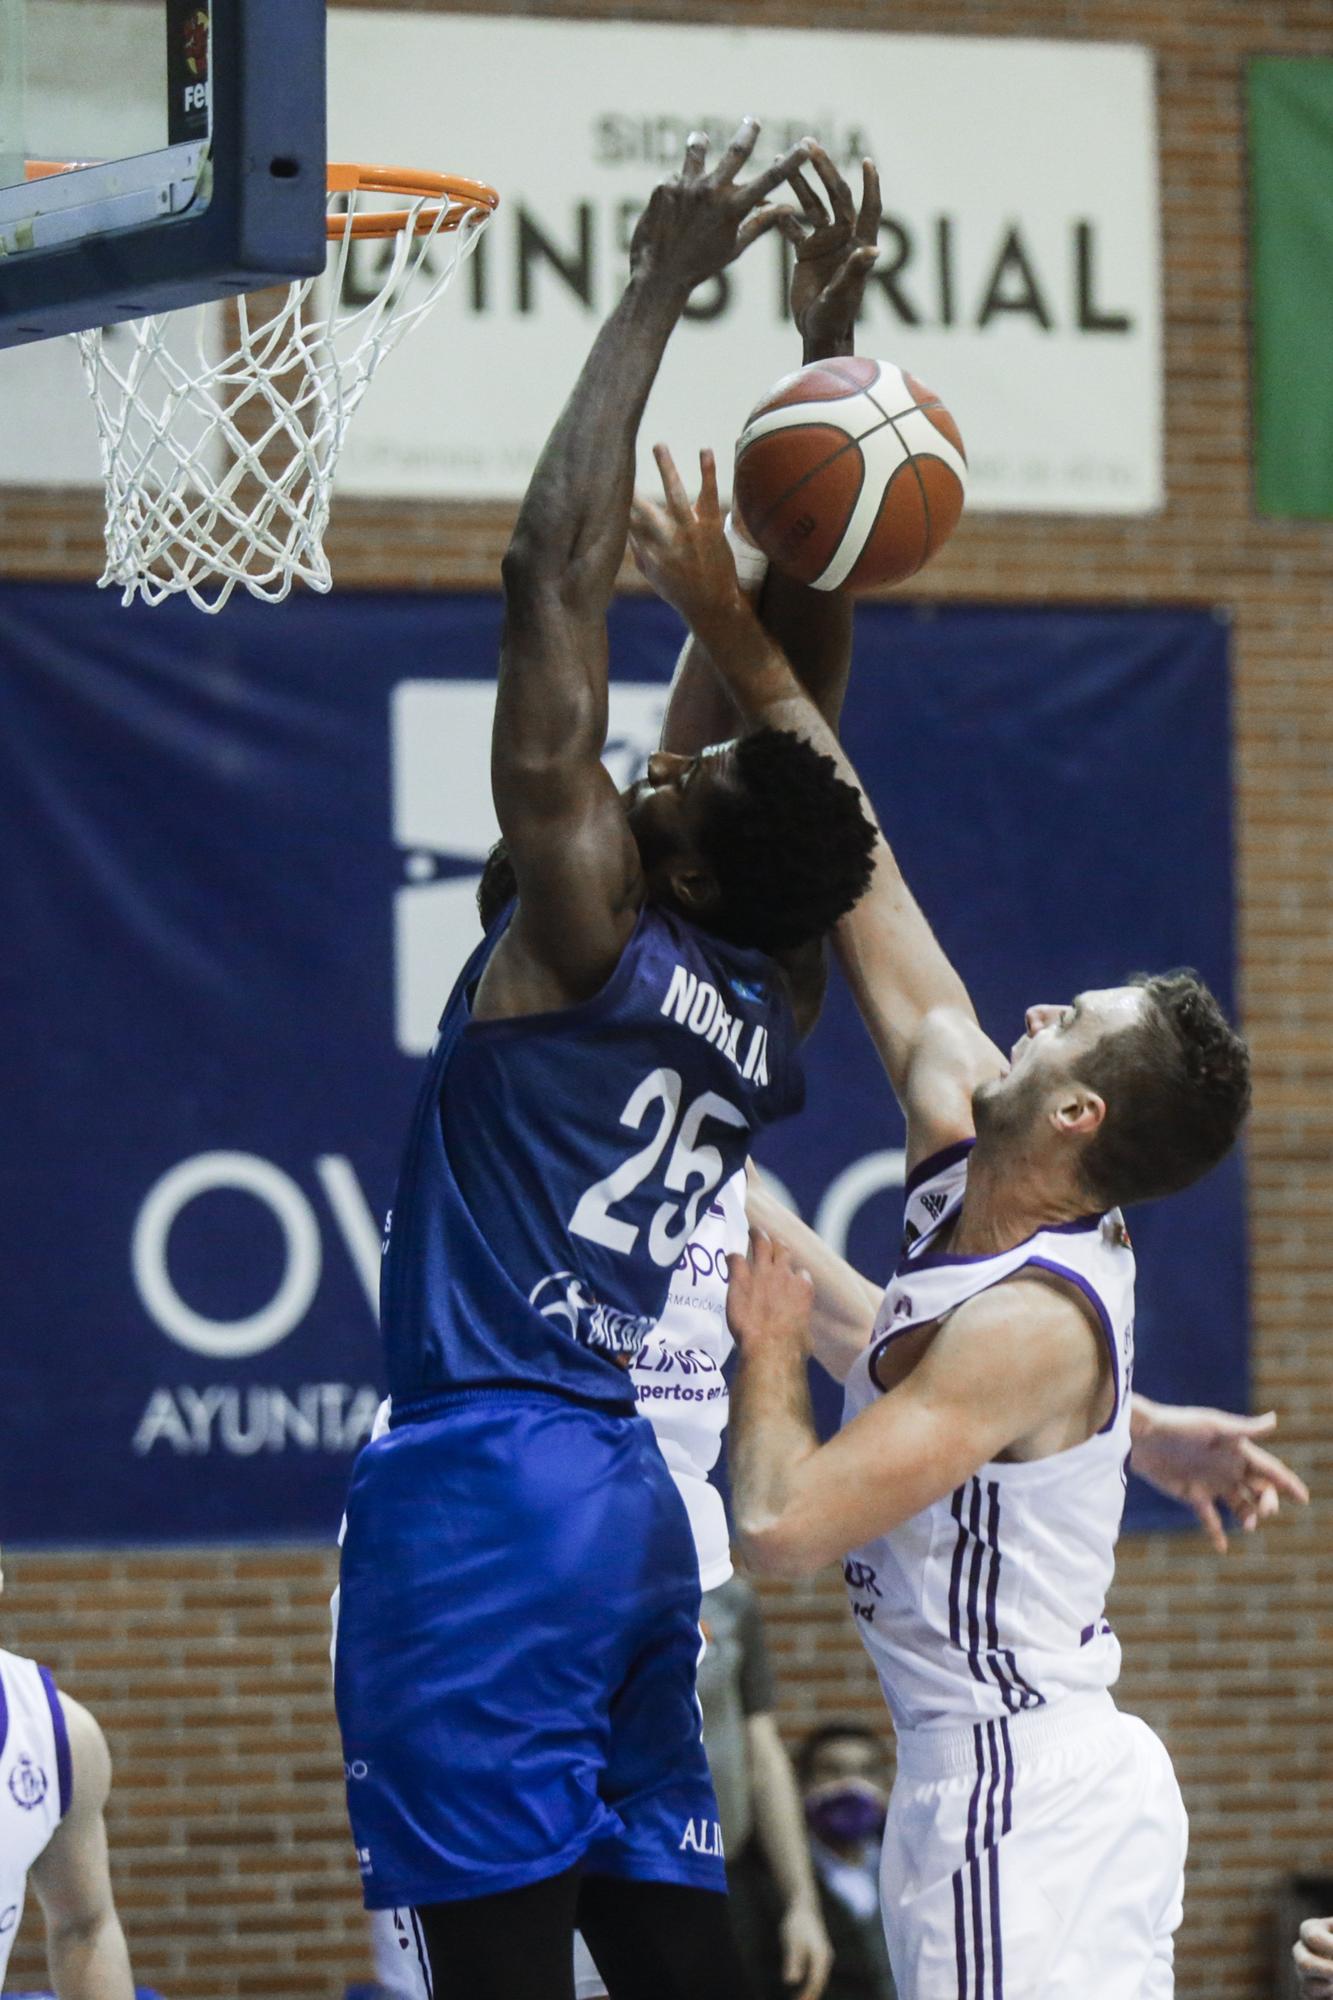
1290 107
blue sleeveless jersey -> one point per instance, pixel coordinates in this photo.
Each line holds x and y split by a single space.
557 1163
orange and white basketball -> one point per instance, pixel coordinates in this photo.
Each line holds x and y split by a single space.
850 474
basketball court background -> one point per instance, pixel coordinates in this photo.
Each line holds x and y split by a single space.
208 1665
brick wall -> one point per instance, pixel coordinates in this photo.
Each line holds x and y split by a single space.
209 1669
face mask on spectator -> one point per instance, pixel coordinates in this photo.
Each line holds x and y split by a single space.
845 1811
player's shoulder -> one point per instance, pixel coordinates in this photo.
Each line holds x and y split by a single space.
89 1755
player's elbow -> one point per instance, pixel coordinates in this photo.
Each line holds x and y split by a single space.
779 1546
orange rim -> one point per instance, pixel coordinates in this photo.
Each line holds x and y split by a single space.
463 197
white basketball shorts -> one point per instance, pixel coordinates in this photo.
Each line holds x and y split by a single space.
1041 1857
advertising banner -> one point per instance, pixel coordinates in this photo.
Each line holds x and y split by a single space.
1019 274
239 865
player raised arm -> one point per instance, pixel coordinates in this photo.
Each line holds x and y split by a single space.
85 1946
575 863
834 247
913 1002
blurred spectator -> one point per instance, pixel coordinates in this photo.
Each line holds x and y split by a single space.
843 1769
1314 1958
774 1900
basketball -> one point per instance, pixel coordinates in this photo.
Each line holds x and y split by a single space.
850 474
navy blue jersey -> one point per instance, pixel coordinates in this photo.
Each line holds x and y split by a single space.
557 1163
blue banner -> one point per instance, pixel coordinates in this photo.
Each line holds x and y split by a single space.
239 862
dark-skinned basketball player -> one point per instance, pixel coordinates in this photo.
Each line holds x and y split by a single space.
519 1589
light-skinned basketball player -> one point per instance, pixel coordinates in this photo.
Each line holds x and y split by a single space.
1036 1839
519 1592
55 1777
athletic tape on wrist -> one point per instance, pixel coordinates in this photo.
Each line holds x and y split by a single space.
751 563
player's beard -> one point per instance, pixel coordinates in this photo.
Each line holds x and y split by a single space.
1003 1110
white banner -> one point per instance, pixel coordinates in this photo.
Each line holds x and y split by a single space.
1019 276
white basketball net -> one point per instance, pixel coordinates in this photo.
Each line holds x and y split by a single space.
219 467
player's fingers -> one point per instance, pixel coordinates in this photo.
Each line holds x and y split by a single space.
807 197
708 508
1210 1521
677 500
696 156
1269 1467
849 281
739 149
823 242
836 188
1268 1503
757 224
872 206
772 176
794 228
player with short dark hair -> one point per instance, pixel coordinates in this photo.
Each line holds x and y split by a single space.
519 1591
976 1487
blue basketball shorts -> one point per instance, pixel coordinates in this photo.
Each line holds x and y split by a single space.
517 1642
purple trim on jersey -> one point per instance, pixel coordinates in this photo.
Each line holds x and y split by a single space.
960 1933
935 1163
1073 1278
973 1582
1099 1629
4 1715
1008 1691
64 1762
956 1569
1006 1811
978 1934
992 1843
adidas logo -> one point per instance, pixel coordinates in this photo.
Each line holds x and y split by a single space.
935 1204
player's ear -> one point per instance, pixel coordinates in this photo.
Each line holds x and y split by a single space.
694 887
1078 1111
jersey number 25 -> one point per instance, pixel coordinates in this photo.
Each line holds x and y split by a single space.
690 1162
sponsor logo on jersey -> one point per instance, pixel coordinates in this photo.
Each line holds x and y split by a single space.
935 1204
27 1783
562 1296
696 1005
702 1836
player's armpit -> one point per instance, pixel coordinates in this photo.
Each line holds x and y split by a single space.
1008 1362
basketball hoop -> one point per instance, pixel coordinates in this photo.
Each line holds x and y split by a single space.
219 469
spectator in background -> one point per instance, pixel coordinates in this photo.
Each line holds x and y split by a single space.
1314 1958
843 1771
773 1898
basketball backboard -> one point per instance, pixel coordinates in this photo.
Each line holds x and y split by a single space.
196 133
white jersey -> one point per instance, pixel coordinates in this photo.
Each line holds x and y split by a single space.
678 1378
35 1781
992 1601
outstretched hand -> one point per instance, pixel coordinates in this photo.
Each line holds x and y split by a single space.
680 548
1209 1457
836 245
696 223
